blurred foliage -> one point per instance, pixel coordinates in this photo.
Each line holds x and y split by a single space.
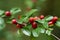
46 7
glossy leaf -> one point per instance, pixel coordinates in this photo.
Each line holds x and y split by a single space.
2 24
35 34
26 32
49 18
48 32
42 30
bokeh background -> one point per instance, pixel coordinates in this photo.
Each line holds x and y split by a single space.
48 7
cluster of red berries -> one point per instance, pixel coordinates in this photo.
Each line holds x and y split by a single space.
14 21
55 18
33 19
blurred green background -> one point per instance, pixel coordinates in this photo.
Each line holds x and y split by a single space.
48 7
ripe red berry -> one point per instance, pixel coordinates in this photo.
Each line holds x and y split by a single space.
41 17
50 23
14 21
34 25
8 13
36 18
55 19
19 26
31 20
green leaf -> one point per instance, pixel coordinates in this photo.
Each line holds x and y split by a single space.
31 12
28 26
42 30
1 12
48 32
23 19
35 34
49 18
45 24
58 23
2 24
18 32
15 10
40 21
26 32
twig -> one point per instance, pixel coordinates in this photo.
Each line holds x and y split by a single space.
55 37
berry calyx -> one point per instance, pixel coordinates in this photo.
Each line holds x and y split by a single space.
31 20
34 25
36 18
19 26
28 8
14 21
41 17
19 17
8 13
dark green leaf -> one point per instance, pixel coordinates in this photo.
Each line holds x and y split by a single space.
26 32
2 24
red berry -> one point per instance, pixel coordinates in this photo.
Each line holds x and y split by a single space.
50 23
55 19
31 20
14 21
34 25
19 26
8 13
42 17
36 18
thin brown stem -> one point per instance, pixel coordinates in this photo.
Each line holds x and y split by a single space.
55 37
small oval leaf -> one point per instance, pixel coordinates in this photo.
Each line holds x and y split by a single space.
26 32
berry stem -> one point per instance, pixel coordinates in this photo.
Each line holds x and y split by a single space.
55 37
